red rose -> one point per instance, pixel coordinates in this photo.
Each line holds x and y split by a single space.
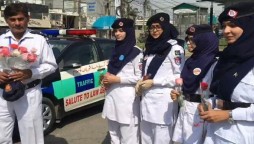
14 46
203 86
31 57
23 50
5 51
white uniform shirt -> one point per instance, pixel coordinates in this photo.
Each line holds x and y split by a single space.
242 131
45 63
157 105
121 104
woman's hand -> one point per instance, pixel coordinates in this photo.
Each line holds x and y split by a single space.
174 94
110 79
213 116
146 84
138 89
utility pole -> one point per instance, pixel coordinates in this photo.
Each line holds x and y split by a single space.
108 5
79 14
211 14
144 15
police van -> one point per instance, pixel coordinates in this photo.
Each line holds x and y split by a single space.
76 83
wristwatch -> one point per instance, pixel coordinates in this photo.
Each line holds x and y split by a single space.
230 119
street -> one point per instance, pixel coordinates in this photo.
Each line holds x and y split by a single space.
85 127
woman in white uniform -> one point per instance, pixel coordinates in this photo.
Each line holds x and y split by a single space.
121 107
162 64
232 119
203 44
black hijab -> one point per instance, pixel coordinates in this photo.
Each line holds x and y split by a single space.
237 59
202 58
159 46
124 50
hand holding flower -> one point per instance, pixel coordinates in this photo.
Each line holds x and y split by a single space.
146 84
174 94
213 115
138 89
178 95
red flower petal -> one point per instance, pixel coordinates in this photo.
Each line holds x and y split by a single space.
14 46
204 85
5 51
23 49
31 57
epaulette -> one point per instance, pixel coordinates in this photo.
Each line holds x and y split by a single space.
40 33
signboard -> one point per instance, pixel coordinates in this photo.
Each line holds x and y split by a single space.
95 8
91 7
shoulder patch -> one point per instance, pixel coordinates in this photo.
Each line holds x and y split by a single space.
38 32
178 60
177 53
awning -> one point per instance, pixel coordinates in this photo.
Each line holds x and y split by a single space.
104 22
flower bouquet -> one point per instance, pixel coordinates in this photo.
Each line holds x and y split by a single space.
12 58
179 83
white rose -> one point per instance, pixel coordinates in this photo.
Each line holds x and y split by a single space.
15 53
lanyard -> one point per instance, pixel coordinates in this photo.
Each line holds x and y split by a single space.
10 48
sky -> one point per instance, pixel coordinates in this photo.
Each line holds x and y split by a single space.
166 5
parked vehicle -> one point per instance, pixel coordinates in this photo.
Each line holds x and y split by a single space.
76 83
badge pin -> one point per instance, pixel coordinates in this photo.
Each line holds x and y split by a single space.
192 29
161 18
121 57
120 23
236 74
196 71
232 13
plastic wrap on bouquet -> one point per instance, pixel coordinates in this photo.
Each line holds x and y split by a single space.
18 63
4 65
